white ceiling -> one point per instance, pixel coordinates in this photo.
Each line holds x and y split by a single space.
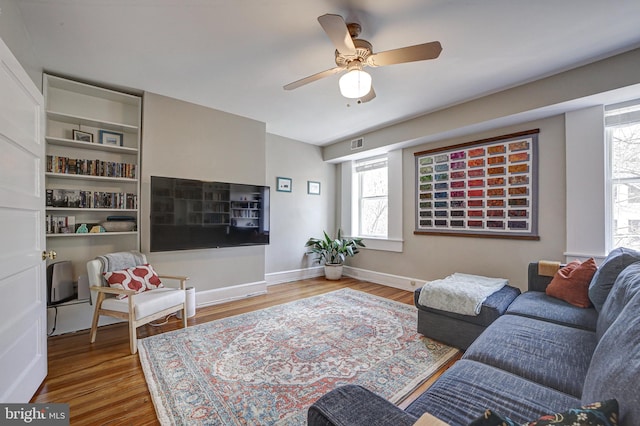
235 55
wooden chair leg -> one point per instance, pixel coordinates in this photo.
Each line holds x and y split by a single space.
133 337
96 316
184 315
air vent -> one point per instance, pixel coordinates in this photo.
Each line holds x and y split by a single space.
357 143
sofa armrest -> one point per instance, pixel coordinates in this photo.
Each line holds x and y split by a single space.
353 405
537 282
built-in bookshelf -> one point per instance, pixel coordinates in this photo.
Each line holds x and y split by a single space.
92 168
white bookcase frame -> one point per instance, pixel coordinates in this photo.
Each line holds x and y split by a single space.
88 108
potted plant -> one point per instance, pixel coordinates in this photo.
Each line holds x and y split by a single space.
333 251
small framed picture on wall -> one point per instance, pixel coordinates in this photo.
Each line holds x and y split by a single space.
313 188
283 184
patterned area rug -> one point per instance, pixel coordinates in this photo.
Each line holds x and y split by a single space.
267 367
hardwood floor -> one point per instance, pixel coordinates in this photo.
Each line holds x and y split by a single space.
104 384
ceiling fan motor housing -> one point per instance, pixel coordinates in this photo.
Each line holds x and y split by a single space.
363 50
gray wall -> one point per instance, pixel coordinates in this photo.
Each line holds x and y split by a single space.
428 257
189 141
15 36
296 215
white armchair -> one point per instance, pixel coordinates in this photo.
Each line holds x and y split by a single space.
137 308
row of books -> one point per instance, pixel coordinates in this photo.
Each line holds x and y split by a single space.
77 166
74 198
60 224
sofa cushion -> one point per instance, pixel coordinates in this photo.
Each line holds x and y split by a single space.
525 346
598 413
466 389
494 305
606 275
626 286
571 283
537 304
615 367
354 405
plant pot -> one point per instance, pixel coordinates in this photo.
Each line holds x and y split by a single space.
333 271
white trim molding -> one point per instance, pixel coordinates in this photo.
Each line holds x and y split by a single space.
294 275
395 281
228 294
386 244
242 291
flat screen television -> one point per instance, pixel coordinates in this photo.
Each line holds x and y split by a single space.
189 214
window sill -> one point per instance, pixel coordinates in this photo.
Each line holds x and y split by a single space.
384 244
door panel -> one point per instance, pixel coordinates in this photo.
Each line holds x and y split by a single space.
23 338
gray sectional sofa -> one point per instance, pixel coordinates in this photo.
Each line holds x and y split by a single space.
543 356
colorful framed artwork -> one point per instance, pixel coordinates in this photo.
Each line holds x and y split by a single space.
313 188
107 137
485 188
283 184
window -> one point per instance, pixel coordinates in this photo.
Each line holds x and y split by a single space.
622 129
371 178
371 200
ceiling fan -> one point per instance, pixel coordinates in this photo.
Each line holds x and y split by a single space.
353 54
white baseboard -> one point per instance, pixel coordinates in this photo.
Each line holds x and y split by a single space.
294 275
395 281
228 294
241 291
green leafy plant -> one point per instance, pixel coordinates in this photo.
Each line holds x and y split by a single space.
333 250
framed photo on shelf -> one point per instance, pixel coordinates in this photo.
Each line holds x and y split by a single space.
107 137
79 135
283 184
313 188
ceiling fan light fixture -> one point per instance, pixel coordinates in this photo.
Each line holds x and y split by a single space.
355 84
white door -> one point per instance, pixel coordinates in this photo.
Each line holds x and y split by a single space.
23 329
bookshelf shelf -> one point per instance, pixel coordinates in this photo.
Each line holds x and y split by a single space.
92 234
89 209
89 177
90 145
90 122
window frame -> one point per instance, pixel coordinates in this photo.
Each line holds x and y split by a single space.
612 120
361 198
348 223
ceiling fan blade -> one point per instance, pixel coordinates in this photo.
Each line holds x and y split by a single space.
313 78
368 97
336 29
419 52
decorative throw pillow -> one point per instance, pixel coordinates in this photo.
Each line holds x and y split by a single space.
123 280
489 418
147 275
571 283
596 414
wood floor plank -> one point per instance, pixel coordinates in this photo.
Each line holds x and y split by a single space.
104 384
